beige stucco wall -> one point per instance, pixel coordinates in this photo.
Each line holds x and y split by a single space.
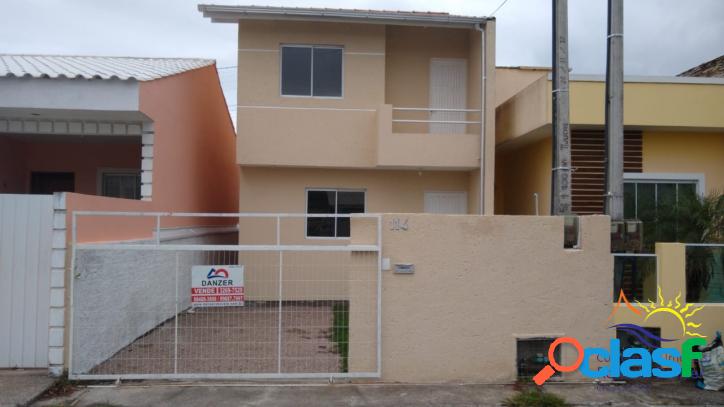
283 190
480 283
671 277
511 80
407 68
382 66
684 152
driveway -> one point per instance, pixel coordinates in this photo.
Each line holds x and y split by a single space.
302 395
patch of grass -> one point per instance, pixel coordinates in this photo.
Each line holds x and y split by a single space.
533 397
61 388
340 332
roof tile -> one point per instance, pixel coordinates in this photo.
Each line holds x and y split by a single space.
96 67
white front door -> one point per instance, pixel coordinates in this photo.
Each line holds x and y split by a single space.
446 202
448 90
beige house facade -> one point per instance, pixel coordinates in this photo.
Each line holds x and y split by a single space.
363 111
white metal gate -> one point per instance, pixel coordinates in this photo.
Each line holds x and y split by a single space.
26 226
311 306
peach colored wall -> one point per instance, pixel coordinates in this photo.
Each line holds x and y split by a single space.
84 159
194 168
96 228
12 176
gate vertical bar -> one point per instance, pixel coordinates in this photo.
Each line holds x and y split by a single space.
175 323
279 322
379 295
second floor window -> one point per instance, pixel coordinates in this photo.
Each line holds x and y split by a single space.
311 71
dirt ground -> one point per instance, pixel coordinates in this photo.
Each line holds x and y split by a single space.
234 340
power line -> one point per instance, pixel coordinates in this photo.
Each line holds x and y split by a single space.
498 8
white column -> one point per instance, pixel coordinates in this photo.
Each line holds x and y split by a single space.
56 321
147 140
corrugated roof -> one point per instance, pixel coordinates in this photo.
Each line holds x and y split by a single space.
227 13
709 69
96 67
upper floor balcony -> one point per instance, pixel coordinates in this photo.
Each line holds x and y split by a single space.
360 95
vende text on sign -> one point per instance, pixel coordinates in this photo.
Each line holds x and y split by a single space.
217 286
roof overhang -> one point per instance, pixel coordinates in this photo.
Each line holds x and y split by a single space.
650 103
233 14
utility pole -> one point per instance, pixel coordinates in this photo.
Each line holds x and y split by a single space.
614 111
561 172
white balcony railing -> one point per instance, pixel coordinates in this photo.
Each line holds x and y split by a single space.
434 110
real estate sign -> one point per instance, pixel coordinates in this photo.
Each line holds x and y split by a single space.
217 286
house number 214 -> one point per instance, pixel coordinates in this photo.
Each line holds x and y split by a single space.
399 225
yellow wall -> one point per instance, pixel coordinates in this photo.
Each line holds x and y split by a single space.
652 104
671 266
519 174
686 152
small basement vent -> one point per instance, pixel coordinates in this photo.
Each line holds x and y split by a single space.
588 158
532 356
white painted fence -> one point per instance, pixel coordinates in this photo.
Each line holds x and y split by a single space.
26 226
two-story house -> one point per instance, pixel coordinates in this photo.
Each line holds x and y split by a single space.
344 111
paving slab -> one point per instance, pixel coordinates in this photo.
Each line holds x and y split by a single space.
19 387
307 395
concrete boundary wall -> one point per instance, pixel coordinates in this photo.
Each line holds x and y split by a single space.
120 295
479 284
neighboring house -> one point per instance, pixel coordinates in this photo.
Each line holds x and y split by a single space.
107 133
343 111
673 144
137 128
711 69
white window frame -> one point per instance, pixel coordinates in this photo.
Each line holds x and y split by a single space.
311 72
663 177
310 215
103 171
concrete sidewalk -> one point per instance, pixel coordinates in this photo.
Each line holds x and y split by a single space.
18 387
219 395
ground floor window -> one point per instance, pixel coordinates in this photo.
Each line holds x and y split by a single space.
46 183
660 203
532 356
121 184
332 201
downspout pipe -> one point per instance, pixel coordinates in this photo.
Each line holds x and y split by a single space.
483 87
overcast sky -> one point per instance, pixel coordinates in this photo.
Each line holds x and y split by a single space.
662 37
